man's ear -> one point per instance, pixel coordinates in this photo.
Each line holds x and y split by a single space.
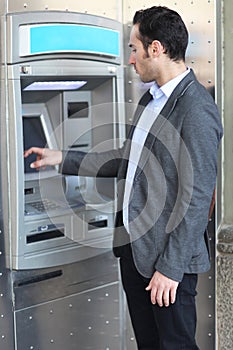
156 48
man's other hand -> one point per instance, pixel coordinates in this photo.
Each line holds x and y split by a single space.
163 289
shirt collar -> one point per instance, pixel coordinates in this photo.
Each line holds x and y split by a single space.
156 91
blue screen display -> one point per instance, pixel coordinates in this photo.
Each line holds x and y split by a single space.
74 38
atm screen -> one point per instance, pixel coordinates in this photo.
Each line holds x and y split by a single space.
33 136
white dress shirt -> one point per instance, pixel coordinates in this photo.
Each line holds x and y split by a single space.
148 117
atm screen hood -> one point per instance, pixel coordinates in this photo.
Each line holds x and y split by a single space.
38 96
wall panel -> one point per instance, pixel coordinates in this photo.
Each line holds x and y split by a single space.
106 8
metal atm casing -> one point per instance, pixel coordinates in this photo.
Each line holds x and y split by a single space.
103 74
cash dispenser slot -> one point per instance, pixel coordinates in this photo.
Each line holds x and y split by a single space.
46 233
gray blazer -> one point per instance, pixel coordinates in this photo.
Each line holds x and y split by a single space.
173 184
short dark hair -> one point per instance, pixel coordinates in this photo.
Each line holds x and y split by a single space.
165 25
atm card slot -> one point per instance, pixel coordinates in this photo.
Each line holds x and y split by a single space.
45 235
28 191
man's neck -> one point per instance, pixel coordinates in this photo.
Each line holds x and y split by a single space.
170 71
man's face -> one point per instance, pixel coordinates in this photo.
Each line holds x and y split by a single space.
139 58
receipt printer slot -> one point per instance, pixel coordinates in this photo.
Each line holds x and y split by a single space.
97 224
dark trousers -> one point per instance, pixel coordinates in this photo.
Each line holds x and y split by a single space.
160 328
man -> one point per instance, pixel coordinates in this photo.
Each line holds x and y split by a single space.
166 174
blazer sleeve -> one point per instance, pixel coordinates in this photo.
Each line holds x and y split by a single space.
103 164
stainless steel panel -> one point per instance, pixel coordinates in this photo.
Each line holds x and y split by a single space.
110 9
199 17
6 316
76 306
88 320
206 315
38 286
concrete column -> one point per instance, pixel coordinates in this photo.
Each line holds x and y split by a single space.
225 233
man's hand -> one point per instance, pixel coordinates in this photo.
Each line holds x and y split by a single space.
45 157
163 289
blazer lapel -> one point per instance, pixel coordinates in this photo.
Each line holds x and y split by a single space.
162 119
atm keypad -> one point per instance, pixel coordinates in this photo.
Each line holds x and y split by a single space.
40 207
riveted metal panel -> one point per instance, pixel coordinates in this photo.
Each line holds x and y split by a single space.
110 9
6 301
88 320
199 17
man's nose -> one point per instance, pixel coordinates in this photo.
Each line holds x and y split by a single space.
131 59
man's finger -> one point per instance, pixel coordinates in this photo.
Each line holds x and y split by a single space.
166 297
159 297
173 295
33 150
37 164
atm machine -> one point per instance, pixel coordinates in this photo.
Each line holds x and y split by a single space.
61 87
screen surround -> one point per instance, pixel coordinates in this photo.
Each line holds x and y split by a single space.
36 116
